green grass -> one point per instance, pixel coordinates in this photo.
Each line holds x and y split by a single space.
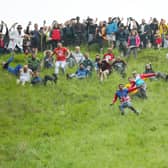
70 124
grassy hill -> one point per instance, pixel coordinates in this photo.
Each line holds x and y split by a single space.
71 125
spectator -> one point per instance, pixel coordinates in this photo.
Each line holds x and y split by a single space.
88 63
120 66
166 41
145 34
77 55
163 28
2 44
158 39
48 59
81 73
15 39
68 33
100 36
154 26
121 37
111 30
96 62
91 29
133 43
34 63
79 31
55 35
35 37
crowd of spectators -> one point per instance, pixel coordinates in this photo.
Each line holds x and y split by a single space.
54 41
126 36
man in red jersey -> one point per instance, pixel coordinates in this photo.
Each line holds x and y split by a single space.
61 54
109 56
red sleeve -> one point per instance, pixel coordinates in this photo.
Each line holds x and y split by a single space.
55 51
132 89
147 75
65 49
115 98
132 84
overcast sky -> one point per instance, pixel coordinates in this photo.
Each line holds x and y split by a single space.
38 10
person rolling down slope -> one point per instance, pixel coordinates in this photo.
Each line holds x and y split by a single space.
140 83
125 101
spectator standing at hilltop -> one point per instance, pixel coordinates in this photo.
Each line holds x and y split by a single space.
133 43
55 35
15 39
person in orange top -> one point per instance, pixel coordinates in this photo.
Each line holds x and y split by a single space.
131 84
61 54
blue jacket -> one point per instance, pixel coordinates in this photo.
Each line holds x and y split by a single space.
82 72
111 28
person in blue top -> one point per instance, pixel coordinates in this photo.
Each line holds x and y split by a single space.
81 73
13 70
125 101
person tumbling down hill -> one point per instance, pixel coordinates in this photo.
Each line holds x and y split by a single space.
159 75
13 70
125 101
138 81
129 85
119 65
104 69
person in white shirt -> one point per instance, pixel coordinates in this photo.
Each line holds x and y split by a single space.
25 75
15 39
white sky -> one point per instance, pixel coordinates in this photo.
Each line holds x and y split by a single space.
23 11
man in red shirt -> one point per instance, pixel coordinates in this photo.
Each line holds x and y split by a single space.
61 54
109 56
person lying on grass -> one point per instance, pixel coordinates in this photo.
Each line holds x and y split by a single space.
13 70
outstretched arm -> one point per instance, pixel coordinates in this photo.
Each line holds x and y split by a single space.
13 26
148 75
114 99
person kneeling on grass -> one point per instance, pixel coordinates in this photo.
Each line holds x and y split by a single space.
125 101
81 73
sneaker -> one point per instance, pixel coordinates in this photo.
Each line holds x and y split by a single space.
23 83
17 81
67 76
137 112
